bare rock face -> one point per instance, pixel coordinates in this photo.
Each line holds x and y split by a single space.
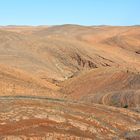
69 82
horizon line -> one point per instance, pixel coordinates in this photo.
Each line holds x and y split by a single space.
65 24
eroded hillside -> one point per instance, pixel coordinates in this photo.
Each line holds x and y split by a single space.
52 80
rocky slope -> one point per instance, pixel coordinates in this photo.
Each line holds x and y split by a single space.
69 82
38 118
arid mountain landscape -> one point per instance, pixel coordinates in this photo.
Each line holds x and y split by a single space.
70 82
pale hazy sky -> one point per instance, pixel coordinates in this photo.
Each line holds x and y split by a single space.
85 12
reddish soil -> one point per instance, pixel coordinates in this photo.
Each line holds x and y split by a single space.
69 82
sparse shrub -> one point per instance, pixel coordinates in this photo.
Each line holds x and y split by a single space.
125 106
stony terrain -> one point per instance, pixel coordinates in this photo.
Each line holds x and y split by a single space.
69 82
38 118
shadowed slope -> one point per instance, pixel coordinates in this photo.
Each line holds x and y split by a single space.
108 86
